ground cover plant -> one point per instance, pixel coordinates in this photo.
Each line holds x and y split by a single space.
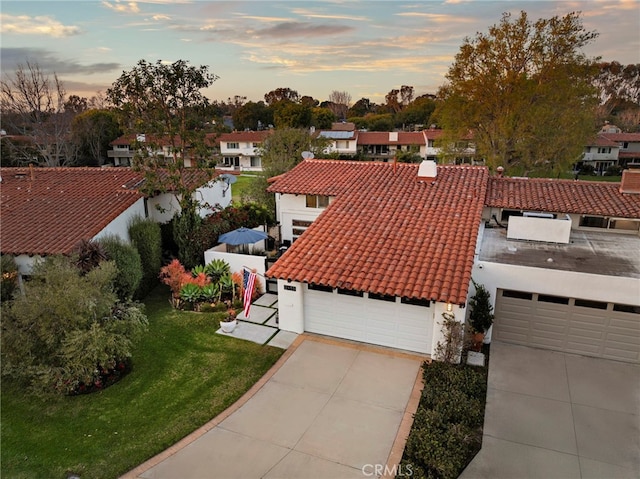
183 375
447 429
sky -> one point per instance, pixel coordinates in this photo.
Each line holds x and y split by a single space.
365 48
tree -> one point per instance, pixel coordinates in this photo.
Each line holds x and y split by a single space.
279 94
339 102
362 107
524 91
417 112
281 151
288 114
392 102
33 105
93 130
619 88
160 100
406 95
67 327
322 118
252 116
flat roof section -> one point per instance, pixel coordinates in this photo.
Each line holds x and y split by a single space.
604 253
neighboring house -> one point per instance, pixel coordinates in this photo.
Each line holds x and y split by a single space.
600 153
380 251
49 210
383 145
342 142
628 143
240 150
124 148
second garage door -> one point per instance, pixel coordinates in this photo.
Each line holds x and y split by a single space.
581 326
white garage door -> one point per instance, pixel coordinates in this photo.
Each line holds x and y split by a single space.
376 321
591 328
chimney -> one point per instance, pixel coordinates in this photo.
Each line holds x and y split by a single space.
393 136
427 170
500 171
630 182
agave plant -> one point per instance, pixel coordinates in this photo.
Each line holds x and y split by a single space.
216 269
210 292
198 269
191 293
228 285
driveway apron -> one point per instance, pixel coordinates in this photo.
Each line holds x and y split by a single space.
556 415
329 410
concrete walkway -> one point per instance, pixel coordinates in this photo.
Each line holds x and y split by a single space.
554 415
325 410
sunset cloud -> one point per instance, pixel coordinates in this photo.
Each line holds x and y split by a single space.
40 25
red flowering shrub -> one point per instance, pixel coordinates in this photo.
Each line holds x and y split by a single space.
175 276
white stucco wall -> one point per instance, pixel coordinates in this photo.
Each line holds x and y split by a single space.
290 207
164 206
291 306
237 262
120 226
571 284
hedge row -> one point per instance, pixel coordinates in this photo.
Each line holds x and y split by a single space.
447 427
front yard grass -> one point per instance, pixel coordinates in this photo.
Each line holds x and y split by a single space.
183 375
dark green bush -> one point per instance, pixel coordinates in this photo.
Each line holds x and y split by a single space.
129 266
146 237
447 429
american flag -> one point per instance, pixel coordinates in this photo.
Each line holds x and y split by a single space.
249 282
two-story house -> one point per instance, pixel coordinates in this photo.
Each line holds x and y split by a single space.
240 150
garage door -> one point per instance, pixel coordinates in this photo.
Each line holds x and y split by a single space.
591 328
385 321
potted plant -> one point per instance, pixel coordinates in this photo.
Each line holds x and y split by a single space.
481 314
229 323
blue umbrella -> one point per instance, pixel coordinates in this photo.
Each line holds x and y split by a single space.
242 236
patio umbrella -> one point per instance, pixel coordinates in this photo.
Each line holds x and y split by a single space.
242 236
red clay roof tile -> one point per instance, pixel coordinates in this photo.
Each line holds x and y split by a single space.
385 232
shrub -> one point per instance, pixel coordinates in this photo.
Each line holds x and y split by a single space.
129 266
175 276
481 312
89 254
447 429
9 277
146 237
68 327
186 234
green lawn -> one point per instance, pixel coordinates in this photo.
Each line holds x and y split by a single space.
239 187
184 374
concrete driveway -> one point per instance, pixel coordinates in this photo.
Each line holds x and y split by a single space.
555 415
326 409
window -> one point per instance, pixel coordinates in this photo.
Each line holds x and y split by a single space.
626 308
625 145
604 150
507 293
320 287
585 303
383 297
298 231
416 302
233 146
547 298
256 145
593 221
350 292
317 201
256 161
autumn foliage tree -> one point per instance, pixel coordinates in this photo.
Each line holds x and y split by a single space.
524 90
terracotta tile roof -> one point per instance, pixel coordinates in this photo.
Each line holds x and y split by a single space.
562 196
257 136
383 138
621 137
386 232
601 140
49 212
343 126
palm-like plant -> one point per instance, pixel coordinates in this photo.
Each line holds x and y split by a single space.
228 285
210 292
216 269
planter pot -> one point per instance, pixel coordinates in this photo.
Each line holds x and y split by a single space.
478 339
228 326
